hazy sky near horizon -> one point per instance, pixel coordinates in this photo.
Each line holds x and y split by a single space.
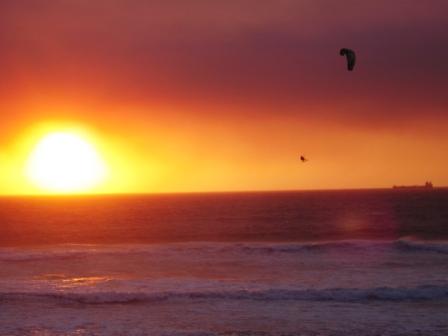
207 95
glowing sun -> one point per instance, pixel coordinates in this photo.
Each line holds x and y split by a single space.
65 162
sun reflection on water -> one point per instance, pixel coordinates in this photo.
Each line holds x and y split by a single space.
84 281
63 281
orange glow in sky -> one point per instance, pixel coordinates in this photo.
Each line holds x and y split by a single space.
225 98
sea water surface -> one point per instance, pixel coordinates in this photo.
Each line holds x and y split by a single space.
289 263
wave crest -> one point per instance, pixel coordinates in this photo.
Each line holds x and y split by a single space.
82 251
331 294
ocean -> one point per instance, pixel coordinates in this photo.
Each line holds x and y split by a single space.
361 262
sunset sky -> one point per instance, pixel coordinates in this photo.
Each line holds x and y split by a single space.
200 95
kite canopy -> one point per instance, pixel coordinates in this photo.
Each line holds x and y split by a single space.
350 56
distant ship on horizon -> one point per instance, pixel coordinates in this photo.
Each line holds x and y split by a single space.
427 185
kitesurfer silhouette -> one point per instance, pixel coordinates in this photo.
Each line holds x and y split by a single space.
350 56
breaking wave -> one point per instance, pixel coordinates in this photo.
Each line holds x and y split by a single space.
82 251
331 294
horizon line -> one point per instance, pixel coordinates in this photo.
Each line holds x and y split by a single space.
204 192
